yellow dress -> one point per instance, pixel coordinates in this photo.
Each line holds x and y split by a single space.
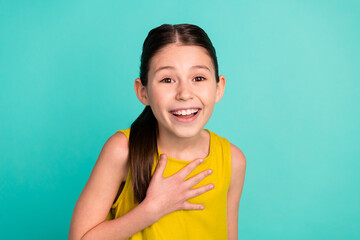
210 223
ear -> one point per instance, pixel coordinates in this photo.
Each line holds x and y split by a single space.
220 88
141 92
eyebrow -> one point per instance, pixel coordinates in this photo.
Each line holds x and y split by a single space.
171 67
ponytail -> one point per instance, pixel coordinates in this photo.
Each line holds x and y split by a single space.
142 148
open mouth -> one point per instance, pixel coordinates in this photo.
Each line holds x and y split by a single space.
184 114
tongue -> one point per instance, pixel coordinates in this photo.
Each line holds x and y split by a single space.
184 116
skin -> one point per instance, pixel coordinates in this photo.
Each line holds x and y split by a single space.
185 86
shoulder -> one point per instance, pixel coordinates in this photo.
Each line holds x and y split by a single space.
116 150
237 156
238 165
117 143
238 159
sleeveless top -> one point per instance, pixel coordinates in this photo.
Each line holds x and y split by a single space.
210 223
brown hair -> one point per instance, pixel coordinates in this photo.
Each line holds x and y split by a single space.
144 130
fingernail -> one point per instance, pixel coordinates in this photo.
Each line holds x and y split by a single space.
202 207
201 160
210 171
211 186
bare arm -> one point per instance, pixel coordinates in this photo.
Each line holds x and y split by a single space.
100 190
238 167
125 226
164 195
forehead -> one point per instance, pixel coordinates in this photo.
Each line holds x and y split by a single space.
181 57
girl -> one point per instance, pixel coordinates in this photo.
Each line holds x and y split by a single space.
136 190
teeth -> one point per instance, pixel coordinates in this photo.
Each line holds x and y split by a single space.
185 112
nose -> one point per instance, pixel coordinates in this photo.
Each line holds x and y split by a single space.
184 91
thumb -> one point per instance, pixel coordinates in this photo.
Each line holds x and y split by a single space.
160 167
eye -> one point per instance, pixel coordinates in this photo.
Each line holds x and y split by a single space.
199 78
167 80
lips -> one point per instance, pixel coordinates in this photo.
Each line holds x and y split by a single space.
185 115
185 112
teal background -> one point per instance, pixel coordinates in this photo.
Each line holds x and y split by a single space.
291 104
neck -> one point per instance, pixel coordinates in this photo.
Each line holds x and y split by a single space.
187 149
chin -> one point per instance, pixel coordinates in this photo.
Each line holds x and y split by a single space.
187 132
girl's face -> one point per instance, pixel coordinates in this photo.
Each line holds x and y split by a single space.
181 89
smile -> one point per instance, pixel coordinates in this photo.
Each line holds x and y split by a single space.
185 112
185 115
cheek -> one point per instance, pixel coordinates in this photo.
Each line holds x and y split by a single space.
157 98
208 96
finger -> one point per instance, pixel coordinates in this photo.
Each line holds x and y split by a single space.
192 206
198 191
197 178
185 171
160 167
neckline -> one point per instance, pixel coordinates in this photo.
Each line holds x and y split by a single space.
188 161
